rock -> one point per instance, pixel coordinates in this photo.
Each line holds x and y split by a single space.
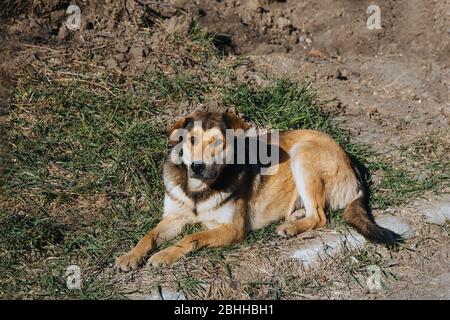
372 112
241 72
259 80
342 74
161 294
130 5
313 252
253 5
122 48
167 294
396 224
179 24
137 53
316 53
283 23
123 65
161 8
111 64
97 58
437 212
53 62
120 57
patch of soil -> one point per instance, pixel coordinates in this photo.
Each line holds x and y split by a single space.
388 85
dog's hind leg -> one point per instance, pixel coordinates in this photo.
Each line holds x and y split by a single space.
167 229
312 192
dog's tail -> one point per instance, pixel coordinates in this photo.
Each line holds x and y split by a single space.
358 216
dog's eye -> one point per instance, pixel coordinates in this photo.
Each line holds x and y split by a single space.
217 142
193 140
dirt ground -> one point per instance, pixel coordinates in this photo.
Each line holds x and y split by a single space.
388 87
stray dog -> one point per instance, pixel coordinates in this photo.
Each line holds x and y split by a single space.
312 174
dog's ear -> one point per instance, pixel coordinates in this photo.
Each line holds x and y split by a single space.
234 122
179 124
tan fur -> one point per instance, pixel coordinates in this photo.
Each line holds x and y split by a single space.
313 173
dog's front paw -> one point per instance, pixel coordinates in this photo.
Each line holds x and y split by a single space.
165 257
287 229
128 261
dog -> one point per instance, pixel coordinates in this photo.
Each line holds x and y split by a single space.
312 174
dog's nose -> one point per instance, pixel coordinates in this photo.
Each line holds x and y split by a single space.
198 167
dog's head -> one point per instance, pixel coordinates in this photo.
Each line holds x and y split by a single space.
200 144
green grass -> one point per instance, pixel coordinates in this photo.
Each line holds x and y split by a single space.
85 178
85 145
421 168
288 105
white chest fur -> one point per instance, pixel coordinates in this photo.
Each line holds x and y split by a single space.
211 212
216 216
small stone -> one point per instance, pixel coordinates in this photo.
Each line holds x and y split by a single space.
111 64
137 53
181 24
123 65
396 224
437 212
373 111
54 62
342 74
161 294
259 80
313 252
254 5
120 57
330 245
130 5
316 53
283 23
241 72
97 58
122 48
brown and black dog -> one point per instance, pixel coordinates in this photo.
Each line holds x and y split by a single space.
312 174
